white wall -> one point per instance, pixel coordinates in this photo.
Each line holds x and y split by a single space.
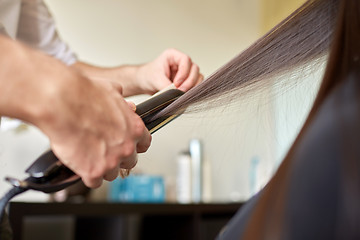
113 32
292 106
17 151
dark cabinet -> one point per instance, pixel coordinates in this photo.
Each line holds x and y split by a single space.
107 221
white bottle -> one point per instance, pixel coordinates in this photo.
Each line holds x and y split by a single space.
183 178
196 154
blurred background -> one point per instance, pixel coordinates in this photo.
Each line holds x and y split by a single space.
242 144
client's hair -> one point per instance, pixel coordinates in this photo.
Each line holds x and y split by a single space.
302 38
343 63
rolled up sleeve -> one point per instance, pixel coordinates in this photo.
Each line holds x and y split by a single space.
37 29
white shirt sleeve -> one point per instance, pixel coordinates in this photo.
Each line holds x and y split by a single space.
37 29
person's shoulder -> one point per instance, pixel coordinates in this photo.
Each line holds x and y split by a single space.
336 123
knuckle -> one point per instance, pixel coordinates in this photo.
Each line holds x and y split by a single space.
171 50
187 59
129 163
196 67
112 163
92 182
128 149
111 175
144 146
97 172
139 127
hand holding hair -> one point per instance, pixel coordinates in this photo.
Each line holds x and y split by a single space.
172 66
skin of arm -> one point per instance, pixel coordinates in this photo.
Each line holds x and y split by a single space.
172 66
89 124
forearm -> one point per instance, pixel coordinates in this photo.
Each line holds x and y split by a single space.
125 75
28 81
14 71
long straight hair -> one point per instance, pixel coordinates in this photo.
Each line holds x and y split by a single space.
317 28
343 63
301 38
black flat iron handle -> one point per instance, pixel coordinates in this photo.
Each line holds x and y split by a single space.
44 166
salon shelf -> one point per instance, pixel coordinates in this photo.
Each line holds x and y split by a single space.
118 220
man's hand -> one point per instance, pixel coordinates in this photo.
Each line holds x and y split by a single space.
91 128
95 131
172 66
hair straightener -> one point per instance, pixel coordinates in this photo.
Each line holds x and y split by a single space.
47 174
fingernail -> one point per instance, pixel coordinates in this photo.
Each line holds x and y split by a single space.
182 88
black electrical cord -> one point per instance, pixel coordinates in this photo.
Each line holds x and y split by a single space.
7 197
